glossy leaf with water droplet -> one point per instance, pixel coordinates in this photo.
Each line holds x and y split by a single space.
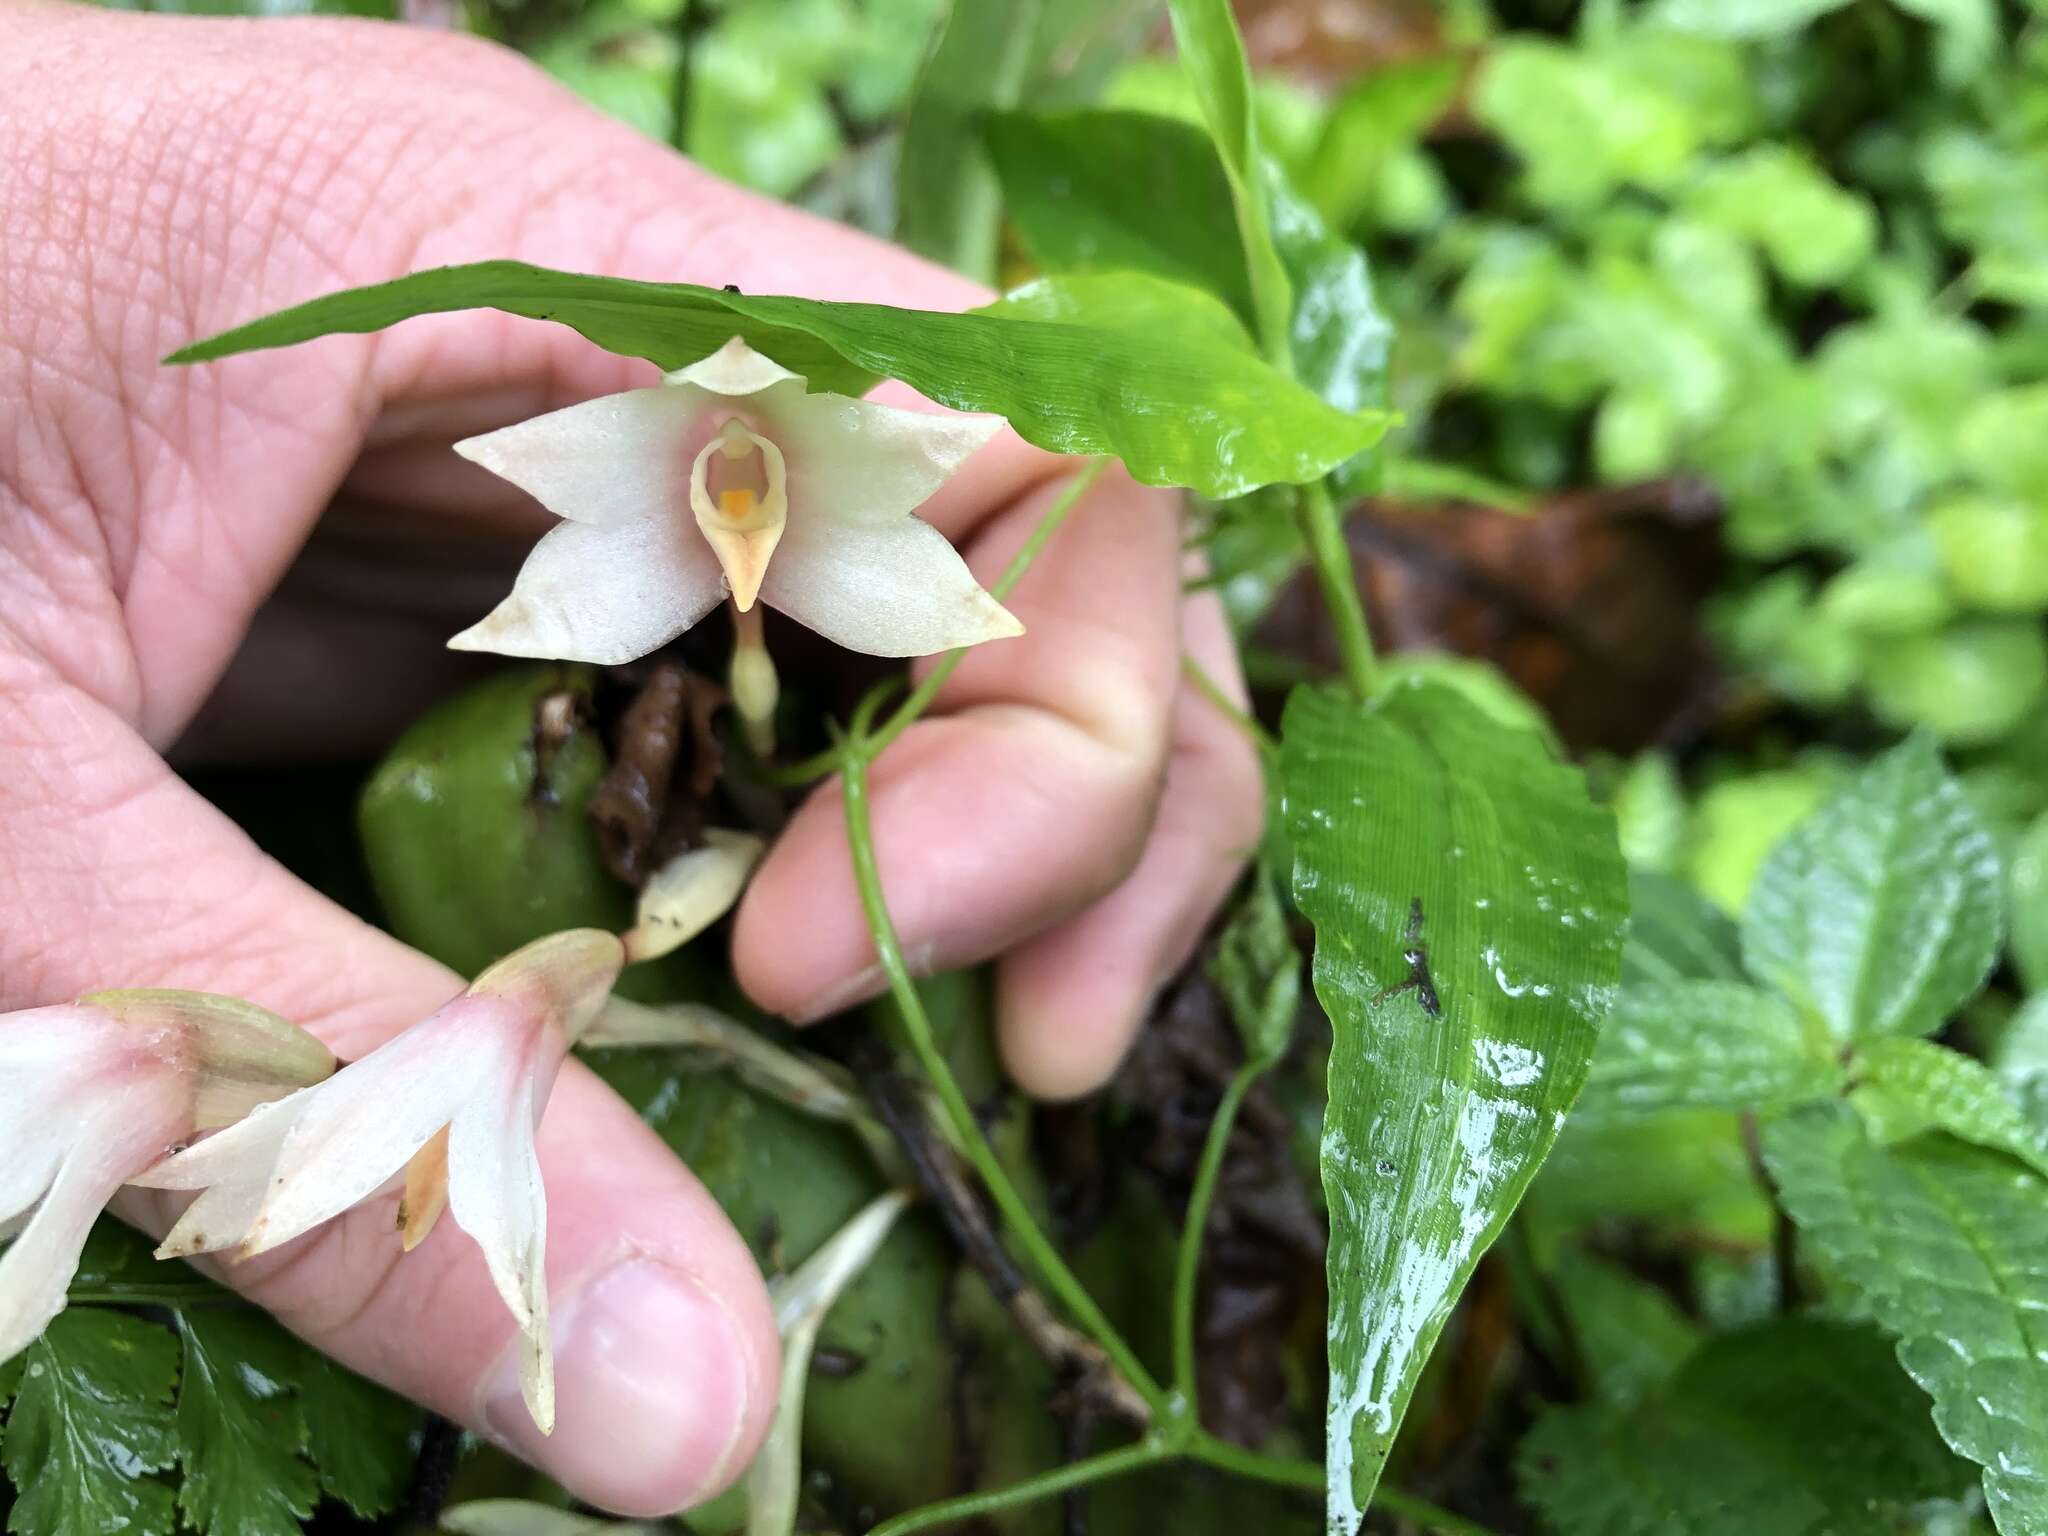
1946 1246
1906 1086
1133 366
1461 1038
1880 913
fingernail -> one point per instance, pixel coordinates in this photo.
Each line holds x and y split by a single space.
857 988
651 1389
868 982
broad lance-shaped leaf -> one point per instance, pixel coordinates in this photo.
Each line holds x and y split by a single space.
241 1434
1880 913
1795 1427
1468 900
1704 1045
1133 366
1067 180
1213 54
1947 1246
90 1423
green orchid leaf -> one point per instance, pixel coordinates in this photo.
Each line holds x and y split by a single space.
1067 181
1468 901
91 1423
1704 1045
1796 1427
1880 914
1213 55
1906 1086
1946 1245
1130 366
241 1435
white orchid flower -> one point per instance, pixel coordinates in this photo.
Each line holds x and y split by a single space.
451 1105
728 477
94 1092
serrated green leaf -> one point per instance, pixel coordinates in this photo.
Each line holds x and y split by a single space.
1134 367
1213 55
1880 913
1468 900
359 1435
1067 181
1946 1245
91 1423
1795 1427
1704 1045
1907 1086
241 1436
1676 934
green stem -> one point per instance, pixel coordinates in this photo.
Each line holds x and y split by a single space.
1188 1261
1322 531
1046 1485
1045 1258
1223 704
907 713
1429 1516
1286 1471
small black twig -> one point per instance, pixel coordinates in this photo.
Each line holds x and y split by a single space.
433 1471
1084 1369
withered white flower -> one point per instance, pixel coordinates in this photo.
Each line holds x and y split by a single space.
94 1092
727 476
451 1105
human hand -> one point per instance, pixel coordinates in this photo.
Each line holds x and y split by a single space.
1063 807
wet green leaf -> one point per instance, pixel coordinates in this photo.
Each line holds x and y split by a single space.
1906 1086
1813 231
474 825
241 1435
1947 1246
1704 1045
91 1423
1469 901
1796 1427
1177 405
1880 914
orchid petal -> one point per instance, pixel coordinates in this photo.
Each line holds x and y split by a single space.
895 590
734 369
860 464
496 1195
233 1169
360 1127
604 595
120 1130
607 462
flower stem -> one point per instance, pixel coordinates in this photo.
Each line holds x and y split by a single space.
1222 703
1324 534
1065 1479
855 754
1286 1471
907 713
1425 1514
1188 1261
